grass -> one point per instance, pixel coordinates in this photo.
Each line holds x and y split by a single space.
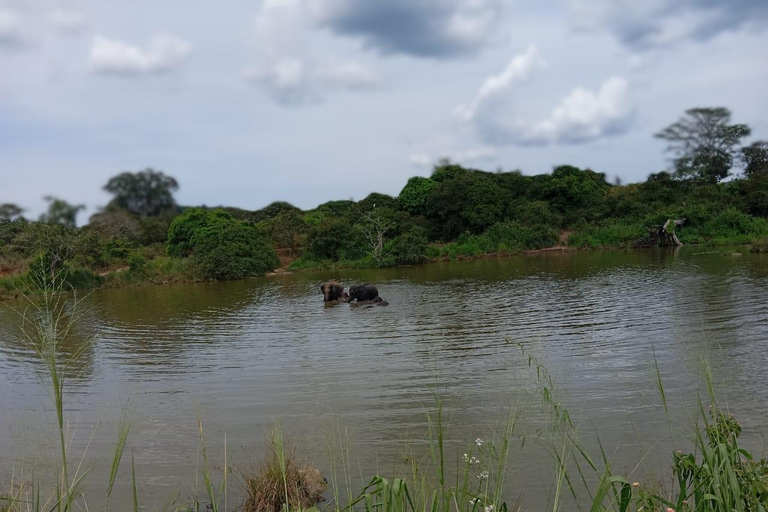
727 227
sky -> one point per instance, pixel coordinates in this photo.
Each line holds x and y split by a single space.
248 102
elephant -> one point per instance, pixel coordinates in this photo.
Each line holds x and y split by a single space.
363 292
332 291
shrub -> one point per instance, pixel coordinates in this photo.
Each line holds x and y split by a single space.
410 248
511 236
222 246
335 239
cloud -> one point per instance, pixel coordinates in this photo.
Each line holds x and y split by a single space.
422 28
652 23
287 64
295 82
112 57
67 21
582 116
518 69
460 156
10 28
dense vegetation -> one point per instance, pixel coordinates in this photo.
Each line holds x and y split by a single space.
142 235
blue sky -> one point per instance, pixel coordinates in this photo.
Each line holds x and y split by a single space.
247 102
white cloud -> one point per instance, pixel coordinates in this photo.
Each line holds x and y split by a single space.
583 116
462 156
420 159
10 28
294 82
518 69
112 57
67 21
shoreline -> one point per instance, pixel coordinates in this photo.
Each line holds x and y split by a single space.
6 294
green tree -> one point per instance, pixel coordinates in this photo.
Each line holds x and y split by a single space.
755 159
414 195
703 143
143 193
9 212
274 209
576 193
223 247
61 212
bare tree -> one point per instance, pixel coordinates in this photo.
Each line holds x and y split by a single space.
375 226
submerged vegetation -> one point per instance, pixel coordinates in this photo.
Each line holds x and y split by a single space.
144 236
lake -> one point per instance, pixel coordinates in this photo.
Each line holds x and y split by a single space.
244 355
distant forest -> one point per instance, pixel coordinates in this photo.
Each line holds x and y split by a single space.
718 185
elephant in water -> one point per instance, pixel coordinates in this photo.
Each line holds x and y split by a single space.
366 294
333 291
363 292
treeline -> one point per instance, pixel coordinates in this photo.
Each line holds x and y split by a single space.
142 235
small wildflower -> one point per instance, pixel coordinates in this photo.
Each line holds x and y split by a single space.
679 452
483 475
474 460
685 502
489 508
466 458
472 501
635 484
670 509
479 442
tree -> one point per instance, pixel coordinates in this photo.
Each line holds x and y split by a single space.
9 212
755 159
703 143
414 195
375 225
61 212
144 193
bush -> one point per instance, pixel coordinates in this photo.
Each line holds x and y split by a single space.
410 248
335 240
616 234
511 236
222 246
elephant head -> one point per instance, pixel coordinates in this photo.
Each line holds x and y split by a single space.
332 291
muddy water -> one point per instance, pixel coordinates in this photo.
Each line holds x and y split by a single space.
243 355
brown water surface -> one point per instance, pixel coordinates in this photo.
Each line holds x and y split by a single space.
245 354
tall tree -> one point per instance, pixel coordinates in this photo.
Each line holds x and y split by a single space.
703 143
144 193
61 212
755 159
9 211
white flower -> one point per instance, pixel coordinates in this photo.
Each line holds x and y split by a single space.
479 442
474 460
483 475
466 459
489 508
472 501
